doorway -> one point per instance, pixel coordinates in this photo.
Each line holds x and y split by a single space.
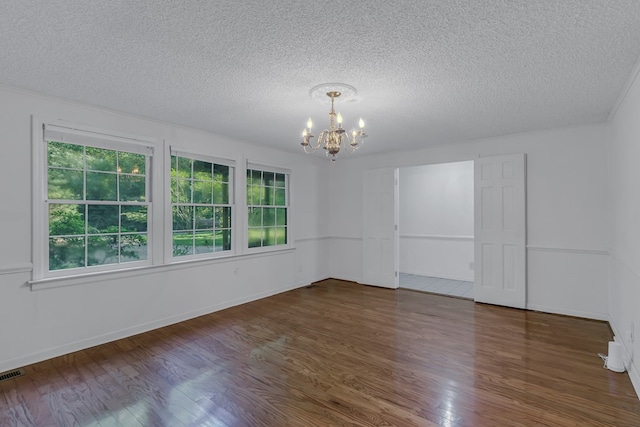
436 228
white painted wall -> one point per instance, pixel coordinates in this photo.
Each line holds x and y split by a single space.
35 325
624 302
436 220
567 181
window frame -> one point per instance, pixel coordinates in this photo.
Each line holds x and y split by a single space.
61 131
247 207
168 227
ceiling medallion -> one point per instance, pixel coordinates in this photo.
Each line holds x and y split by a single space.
332 139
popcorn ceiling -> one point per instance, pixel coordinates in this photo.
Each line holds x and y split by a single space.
426 72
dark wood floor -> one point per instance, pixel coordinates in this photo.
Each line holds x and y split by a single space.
337 354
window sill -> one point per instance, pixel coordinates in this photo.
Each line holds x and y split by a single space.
101 276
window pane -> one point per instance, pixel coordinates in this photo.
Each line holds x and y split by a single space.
131 163
184 167
269 237
281 216
132 188
101 186
133 247
202 191
63 155
204 217
183 217
66 220
268 199
202 170
223 217
66 252
220 193
184 191
269 217
221 173
281 236
255 195
102 250
182 243
223 240
133 218
103 219
204 242
256 177
65 184
280 180
255 237
255 217
99 159
269 178
281 198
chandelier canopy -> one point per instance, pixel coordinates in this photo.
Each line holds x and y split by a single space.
332 139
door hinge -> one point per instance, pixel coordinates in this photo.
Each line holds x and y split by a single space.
396 274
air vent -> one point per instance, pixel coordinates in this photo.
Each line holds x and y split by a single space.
11 374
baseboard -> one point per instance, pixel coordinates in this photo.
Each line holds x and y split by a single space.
565 312
440 275
628 361
39 356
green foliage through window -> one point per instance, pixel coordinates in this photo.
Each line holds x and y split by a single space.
97 205
267 208
201 206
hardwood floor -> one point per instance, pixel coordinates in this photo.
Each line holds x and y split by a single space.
337 354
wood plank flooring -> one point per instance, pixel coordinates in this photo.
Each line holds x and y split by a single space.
337 354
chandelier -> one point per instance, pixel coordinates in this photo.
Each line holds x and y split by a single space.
333 139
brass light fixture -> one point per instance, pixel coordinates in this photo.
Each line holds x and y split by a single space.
332 139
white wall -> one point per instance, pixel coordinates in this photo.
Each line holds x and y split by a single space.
38 324
436 220
624 303
567 180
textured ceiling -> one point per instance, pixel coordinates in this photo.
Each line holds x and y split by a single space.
427 72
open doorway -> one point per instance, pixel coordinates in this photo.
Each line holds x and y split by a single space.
436 228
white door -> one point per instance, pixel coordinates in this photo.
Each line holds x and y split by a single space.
500 230
380 228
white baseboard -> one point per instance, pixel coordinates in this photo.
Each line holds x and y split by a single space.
629 363
566 312
39 356
440 275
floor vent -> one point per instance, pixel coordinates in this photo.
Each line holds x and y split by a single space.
12 374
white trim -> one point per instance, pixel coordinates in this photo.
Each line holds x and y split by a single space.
16 268
306 239
565 312
84 135
203 157
267 168
436 237
568 250
440 276
102 276
134 330
346 238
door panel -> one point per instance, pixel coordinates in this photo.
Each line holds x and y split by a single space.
379 228
500 234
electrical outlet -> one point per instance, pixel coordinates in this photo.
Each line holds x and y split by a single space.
630 333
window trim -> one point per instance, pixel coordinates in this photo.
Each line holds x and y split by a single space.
168 207
44 130
275 169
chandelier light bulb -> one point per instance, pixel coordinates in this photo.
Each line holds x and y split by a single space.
339 119
304 133
361 123
309 123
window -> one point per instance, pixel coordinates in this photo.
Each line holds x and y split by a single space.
267 205
201 205
96 203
